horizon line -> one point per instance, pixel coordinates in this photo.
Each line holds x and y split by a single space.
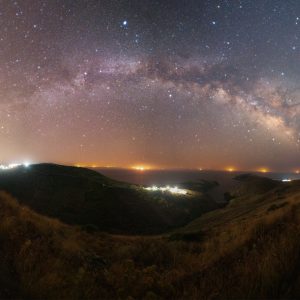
147 167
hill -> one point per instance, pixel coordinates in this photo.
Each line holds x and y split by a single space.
254 184
253 194
84 197
249 249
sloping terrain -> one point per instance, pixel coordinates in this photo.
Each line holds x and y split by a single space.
85 197
254 195
248 250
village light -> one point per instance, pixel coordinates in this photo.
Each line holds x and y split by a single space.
14 165
173 190
286 180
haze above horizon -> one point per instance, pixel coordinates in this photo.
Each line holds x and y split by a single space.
151 84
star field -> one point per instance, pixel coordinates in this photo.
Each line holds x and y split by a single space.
184 84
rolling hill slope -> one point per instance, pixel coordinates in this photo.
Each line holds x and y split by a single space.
247 250
254 197
85 197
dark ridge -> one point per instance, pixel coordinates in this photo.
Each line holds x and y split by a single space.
87 198
250 183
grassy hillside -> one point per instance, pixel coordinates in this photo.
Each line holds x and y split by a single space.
85 197
253 196
249 249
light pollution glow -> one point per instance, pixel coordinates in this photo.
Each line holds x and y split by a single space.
14 165
196 84
142 168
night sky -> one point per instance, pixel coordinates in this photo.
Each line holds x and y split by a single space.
173 84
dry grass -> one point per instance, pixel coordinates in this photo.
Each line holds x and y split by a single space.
258 257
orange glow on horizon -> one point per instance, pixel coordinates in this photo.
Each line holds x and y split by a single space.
263 170
230 169
141 168
86 165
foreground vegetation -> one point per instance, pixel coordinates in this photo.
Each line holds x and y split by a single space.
250 249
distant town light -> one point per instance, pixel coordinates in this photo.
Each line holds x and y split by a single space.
263 170
14 165
26 164
286 180
173 190
140 168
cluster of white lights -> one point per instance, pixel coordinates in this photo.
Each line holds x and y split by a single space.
173 190
14 165
286 180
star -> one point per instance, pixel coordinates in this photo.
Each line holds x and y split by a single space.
104 73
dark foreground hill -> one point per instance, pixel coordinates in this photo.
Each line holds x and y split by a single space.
85 197
248 250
